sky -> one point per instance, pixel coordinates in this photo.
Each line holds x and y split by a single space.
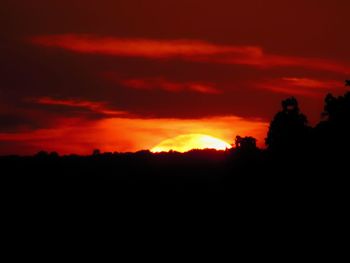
125 75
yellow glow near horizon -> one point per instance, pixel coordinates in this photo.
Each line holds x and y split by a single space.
185 143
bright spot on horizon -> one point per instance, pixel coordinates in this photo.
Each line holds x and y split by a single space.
185 143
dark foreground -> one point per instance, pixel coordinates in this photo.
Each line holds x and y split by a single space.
253 175
211 196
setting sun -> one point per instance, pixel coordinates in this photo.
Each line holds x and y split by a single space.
184 143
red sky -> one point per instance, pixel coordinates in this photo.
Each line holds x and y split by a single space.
124 75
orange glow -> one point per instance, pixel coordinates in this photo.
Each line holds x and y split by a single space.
185 143
129 134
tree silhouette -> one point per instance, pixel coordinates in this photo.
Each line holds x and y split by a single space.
245 143
337 109
289 129
96 152
333 132
42 154
54 155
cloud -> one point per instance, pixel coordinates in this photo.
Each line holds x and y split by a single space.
96 107
126 134
171 86
307 87
313 83
148 48
190 50
14 122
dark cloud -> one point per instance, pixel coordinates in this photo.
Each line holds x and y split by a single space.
16 123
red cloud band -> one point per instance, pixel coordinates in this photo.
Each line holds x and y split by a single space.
97 107
141 47
192 50
301 86
161 83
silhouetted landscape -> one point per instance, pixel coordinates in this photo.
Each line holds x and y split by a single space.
299 160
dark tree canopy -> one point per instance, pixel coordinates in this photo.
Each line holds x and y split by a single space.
245 143
333 132
289 129
337 109
96 152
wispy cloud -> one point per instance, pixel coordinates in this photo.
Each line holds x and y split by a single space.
171 86
96 107
192 50
313 83
300 86
149 48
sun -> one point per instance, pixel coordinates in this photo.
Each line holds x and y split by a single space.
187 142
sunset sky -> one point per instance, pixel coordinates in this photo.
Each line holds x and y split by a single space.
125 75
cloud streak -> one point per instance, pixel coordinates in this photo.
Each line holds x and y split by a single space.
170 86
190 50
148 48
96 107
306 87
